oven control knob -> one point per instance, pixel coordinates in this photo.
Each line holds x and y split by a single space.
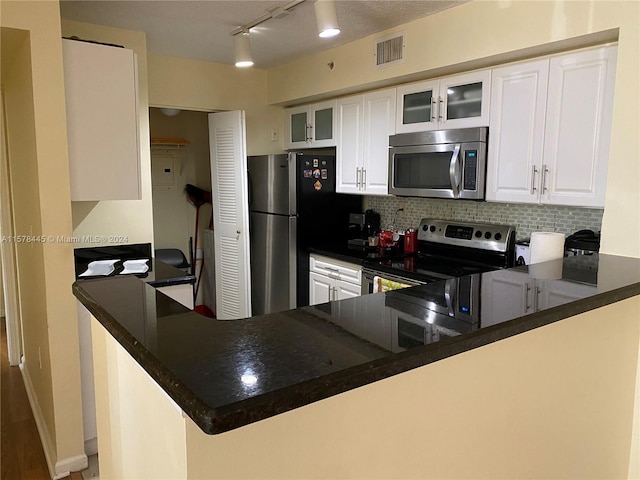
432 228
487 235
478 233
425 228
498 236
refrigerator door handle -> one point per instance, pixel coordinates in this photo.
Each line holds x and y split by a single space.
293 259
250 189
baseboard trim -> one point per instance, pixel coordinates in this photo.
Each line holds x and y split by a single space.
91 447
65 466
61 468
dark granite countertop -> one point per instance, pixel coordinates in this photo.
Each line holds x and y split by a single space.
356 255
228 373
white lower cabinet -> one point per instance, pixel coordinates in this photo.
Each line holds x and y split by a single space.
331 279
509 294
550 127
364 123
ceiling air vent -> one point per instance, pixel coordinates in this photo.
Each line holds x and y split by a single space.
389 50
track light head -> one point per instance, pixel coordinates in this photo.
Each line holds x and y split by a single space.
243 50
326 18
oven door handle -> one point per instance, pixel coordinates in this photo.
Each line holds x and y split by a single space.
454 171
450 294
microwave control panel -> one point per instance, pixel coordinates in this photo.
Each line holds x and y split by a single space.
470 170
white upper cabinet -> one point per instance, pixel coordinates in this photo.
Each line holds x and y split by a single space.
101 89
350 144
459 101
311 126
578 128
364 123
550 128
516 129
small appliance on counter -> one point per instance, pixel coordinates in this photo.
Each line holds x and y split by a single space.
411 241
362 226
582 242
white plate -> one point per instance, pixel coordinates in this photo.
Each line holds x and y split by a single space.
135 266
100 268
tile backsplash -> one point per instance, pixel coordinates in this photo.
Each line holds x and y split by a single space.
525 217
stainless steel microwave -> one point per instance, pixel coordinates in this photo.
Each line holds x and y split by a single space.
439 163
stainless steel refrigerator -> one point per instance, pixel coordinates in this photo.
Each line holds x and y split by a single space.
293 206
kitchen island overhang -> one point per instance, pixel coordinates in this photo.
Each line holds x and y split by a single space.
228 373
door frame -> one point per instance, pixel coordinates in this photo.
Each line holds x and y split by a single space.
7 249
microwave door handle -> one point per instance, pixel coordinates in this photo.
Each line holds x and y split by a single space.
454 171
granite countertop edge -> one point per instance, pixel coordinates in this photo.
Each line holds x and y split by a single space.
221 419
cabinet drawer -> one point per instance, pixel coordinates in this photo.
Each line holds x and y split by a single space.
337 269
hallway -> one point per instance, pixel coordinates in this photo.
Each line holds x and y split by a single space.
22 454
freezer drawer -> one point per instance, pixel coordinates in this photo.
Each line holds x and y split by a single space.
273 264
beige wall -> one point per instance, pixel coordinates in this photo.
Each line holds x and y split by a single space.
36 134
488 33
132 219
196 85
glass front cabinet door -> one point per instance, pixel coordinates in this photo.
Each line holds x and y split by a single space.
310 126
417 107
459 101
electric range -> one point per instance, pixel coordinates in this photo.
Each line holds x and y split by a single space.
446 278
446 250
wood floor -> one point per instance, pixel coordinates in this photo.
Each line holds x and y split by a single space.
22 454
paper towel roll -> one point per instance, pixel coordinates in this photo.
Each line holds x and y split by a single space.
546 246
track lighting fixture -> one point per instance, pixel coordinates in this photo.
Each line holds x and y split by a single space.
243 50
326 18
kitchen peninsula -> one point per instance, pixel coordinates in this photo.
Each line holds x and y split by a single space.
305 394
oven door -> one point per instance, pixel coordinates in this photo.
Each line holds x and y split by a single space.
372 281
455 170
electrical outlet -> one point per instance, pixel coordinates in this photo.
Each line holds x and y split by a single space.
274 135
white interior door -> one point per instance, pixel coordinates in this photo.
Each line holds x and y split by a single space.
230 214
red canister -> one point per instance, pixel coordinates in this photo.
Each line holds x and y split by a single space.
411 241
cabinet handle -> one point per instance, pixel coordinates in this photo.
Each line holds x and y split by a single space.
358 178
433 109
440 109
545 171
364 179
534 171
526 299
309 133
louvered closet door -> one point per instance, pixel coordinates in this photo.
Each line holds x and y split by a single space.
230 214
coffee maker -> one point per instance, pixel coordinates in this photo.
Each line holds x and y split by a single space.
361 227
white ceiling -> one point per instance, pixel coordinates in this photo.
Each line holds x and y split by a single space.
201 30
